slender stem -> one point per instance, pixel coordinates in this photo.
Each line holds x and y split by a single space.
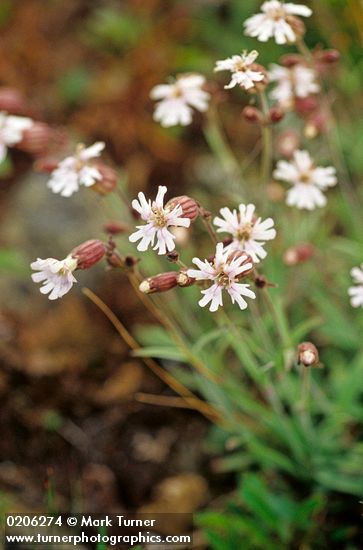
266 160
281 326
207 410
208 224
217 142
172 328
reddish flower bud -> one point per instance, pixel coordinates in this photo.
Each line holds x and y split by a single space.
262 282
109 179
159 283
114 259
12 101
184 280
131 261
36 139
308 355
89 253
287 142
291 59
189 206
173 256
316 125
115 228
306 105
327 56
46 164
253 115
298 254
297 25
276 114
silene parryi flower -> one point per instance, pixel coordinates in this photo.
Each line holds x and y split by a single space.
308 181
11 131
224 272
57 277
76 170
244 71
158 219
177 100
356 292
278 20
291 83
248 232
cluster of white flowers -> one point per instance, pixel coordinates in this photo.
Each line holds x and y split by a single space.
76 170
247 231
275 21
356 292
308 181
225 271
291 83
241 67
11 131
158 219
177 100
56 276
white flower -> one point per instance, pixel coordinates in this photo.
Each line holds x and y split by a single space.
308 181
11 131
55 275
77 170
157 219
224 272
240 67
175 100
295 82
274 21
247 230
356 292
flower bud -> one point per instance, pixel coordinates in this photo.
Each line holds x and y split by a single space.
275 191
308 355
131 261
315 125
109 179
46 164
252 115
36 139
298 254
327 56
173 256
12 101
89 253
262 282
306 105
114 259
287 142
297 25
115 228
159 283
290 60
189 206
276 114
184 280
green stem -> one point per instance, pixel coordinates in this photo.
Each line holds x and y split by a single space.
220 147
267 150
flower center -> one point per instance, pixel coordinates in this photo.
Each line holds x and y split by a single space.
244 232
277 13
222 278
158 217
305 177
177 91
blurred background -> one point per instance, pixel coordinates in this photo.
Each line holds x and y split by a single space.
67 382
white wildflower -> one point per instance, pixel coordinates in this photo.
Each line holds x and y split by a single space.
56 276
11 131
241 67
274 21
356 292
76 170
176 100
291 83
224 272
308 181
158 219
249 233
